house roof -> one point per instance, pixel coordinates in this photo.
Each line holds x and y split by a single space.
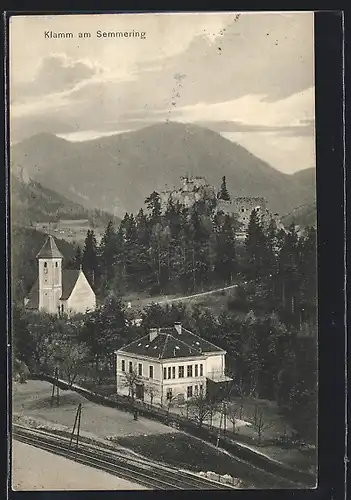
69 279
49 250
168 343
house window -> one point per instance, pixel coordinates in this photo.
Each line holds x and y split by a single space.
201 389
189 370
169 372
123 365
130 367
196 390
165 373
151 372
45 267
196 370
56 264
173 372
169 394
201 370
140 370
181 372
189 391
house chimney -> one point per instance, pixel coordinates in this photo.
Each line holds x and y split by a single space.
153 334
178 327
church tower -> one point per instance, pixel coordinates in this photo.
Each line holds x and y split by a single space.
50 276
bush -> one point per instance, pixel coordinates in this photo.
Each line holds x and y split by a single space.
20 371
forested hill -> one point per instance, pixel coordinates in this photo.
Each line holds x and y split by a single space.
303 216
31 202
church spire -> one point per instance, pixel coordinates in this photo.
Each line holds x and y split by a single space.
49 250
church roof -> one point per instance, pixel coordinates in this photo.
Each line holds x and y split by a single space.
69 279
49 250
168 343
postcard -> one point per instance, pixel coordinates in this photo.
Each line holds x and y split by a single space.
163 251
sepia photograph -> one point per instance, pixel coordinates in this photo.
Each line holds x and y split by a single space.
162 203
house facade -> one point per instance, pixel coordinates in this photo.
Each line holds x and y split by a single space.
169 364
58 291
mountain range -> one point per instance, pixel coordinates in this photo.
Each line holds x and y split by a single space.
116 173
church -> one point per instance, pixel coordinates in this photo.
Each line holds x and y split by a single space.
58 290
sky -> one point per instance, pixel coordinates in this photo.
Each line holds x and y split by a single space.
247 76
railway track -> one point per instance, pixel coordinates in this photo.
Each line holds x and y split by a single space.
146 473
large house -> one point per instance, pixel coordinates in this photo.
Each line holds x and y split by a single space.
169 363
58 291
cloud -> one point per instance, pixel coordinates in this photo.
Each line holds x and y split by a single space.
285 153
249 112
88 135
55 73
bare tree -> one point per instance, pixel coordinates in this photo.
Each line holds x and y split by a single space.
152 391
240 388
200 408
131 378
170 401
232 414
259 423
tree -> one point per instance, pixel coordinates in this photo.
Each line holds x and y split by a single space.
225 263
107 253
143 270
20 371
170 402
90 259
223 193
78 259
200 407
153 316
42 328
22 341
131 250
259 423
152 391
131 378
289 278
153 203
308 276
255 248
71 358
232 414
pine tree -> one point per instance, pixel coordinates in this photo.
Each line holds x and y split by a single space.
223 193
131 241
225 264
201 228
143 264
78 258
107 254
288 269
255 248
153 203
90 259
308 276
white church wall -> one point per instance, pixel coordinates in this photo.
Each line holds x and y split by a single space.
82 297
